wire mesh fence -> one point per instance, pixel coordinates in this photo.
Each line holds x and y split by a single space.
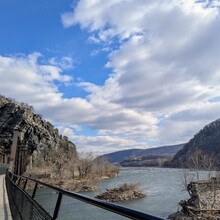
23 207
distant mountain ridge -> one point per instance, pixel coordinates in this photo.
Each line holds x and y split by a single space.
206 140
119 156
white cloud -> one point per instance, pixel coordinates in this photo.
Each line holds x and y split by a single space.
100 144
184 124
23 78
169 59
64 63
27 80
166 63
93 39
165 70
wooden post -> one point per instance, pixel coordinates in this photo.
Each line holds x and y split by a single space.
13 151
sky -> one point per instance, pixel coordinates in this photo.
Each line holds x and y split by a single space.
114 75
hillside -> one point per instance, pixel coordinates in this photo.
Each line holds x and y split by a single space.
149 160
206 141
119 156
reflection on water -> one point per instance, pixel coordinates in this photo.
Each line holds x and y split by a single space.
164 189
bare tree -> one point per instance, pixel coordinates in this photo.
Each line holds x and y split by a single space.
195 161
186 178
198 161
85 164
201 161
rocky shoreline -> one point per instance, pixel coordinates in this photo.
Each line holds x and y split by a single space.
75 185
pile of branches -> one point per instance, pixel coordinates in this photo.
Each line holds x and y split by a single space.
126 191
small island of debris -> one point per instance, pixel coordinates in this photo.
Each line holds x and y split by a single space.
124 192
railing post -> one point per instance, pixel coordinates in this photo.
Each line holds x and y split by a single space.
25 183
34 192
18 181
57 207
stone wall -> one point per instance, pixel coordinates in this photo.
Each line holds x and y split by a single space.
206 194
204 202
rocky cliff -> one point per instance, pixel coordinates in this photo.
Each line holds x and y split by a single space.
38 134
206 141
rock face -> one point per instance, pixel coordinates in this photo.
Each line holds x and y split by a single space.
204 202
121 193
36 133
207 141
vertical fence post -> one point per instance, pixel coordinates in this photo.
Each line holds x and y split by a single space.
34 192
25 183
19 180
57 207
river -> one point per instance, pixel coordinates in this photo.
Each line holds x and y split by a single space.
164 189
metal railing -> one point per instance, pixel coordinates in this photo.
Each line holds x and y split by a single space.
24 206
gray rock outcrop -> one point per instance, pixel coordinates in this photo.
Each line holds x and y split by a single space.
206 141
36 133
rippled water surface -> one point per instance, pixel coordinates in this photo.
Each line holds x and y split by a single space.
163 187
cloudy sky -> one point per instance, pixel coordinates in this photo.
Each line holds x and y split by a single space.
115 74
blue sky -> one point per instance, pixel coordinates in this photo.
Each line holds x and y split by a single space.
28 27
116 74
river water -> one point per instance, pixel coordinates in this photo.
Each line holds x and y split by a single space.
164 188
